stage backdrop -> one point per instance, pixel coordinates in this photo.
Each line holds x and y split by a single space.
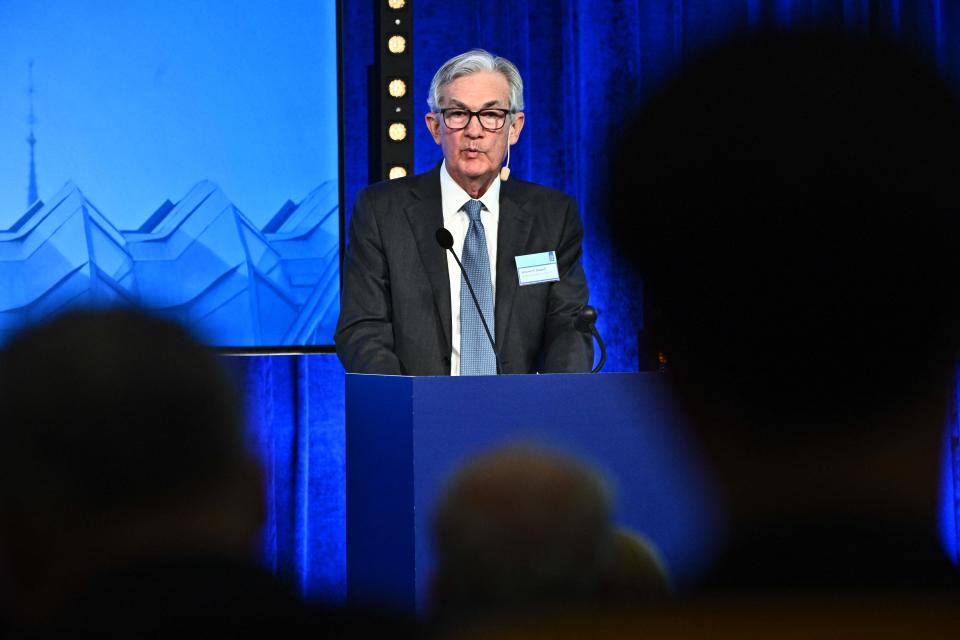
181 156
586 65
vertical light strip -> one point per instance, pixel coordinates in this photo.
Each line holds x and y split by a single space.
392 138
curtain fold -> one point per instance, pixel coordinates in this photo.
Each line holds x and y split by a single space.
294 408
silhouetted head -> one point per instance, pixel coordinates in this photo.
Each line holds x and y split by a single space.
790 202
519 527
121 438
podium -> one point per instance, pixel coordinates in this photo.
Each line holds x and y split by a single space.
405 436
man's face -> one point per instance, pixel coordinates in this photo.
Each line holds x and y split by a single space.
474 155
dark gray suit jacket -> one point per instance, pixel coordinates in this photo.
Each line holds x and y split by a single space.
395 309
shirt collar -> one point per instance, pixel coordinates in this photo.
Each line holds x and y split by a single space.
454 197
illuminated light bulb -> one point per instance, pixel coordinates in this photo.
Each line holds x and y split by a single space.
397 88
397 172
397 131
397 44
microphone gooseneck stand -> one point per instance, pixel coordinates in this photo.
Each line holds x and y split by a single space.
586 322
445 240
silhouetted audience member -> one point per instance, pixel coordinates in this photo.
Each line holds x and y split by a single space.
637 572
791 203
129 504
521 530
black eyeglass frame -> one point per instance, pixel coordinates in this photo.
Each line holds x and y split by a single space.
470 116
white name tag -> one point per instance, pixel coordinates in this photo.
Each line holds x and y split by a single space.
537 267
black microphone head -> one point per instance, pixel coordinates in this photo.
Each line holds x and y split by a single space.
585 319
444 238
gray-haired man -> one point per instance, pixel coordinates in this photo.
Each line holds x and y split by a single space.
404 311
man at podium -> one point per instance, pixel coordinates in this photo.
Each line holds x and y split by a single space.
407 306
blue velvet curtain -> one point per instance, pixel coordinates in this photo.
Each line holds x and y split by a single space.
294 407
586 64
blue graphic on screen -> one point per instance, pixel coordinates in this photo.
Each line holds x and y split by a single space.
182 156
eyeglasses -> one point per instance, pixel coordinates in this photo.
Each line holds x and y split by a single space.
490 119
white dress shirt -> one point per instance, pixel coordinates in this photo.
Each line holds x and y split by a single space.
455 219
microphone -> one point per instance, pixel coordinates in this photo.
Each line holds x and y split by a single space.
445 240
505 171
585 322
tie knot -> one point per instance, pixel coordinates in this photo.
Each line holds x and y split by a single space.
473 210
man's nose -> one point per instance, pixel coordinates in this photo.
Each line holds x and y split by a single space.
474 130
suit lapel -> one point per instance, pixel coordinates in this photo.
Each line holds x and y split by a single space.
425 215
512 234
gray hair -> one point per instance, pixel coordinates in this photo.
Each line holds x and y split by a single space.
471 62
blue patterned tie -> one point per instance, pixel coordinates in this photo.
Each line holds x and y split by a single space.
476 355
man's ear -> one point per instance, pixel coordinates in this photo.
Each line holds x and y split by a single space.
433 123
515 126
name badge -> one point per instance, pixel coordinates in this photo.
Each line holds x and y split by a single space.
537 267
